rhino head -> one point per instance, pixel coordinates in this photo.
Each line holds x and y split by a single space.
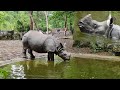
85 24
88 25
61 52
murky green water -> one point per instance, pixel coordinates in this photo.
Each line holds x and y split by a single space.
76 68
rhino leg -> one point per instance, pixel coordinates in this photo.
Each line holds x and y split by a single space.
24 53
31 54
50 56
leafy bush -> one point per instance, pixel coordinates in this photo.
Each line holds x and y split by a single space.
4 73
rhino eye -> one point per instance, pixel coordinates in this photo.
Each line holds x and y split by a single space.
65 54
95 26
81 22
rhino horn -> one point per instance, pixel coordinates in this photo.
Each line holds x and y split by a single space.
110 19
89 15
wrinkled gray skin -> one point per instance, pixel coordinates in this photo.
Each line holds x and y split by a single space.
41 43
105 28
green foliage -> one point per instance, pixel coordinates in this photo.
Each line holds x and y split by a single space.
116 14
20 20
9 19
77 34
57 19
39 18
4 73
115 47
99 43
6 22
80 68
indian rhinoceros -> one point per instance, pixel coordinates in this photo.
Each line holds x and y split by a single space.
105 28
42 43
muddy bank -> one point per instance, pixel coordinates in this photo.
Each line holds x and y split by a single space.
95 56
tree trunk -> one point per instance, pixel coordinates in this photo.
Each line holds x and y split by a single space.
46 16
71 29
36 25
31 20
65 25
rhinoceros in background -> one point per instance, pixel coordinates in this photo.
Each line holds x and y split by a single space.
42 43
7 34
105 28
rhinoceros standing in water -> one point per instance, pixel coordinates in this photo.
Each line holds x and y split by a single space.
41 43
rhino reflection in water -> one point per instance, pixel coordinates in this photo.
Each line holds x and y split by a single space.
105 28
38 69
17 72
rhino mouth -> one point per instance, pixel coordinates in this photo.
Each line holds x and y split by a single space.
85 30
66 57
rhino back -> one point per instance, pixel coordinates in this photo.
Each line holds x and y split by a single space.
34 40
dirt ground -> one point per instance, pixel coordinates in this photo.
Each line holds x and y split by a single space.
10 49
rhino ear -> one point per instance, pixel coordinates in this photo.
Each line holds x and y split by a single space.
89 16
61 45
110 21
